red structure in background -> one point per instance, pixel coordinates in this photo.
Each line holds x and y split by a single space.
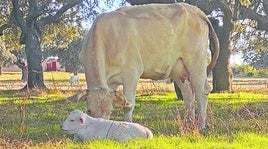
68 68
52 66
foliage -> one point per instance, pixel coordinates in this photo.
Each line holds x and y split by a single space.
31 16
257 59
11 39
6 57
246 3
59 36
250 34
249 71
251 42
45 24
65 45
68 56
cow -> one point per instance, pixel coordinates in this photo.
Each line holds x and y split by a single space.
154 41
85 127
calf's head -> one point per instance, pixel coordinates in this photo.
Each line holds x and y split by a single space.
100 102
74 122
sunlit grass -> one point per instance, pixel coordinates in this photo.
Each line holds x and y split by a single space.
238 120
241 97
234 124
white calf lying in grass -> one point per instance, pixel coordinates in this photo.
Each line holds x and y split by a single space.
85 127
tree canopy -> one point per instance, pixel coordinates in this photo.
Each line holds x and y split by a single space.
32 17
250 36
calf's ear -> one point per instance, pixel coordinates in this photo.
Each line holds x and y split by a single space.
120 99
82 118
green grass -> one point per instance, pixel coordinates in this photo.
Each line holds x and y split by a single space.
238 120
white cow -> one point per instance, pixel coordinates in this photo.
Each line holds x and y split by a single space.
85 127
155 41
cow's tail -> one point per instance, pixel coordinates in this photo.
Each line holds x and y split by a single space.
214 51
78 96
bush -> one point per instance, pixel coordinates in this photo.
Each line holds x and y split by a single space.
248 71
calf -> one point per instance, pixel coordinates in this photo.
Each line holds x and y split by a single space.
85 127
74 79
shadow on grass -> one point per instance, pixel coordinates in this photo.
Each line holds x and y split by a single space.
44 114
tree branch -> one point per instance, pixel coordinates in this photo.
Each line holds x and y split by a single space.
262 22
34 13
265 6
236 9
17 18
17 15
56 18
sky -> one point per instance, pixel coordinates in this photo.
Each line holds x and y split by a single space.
236 59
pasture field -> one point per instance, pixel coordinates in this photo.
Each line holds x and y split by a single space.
32 120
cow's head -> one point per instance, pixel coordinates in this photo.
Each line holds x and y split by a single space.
100 102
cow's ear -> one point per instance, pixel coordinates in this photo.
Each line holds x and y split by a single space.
82 95
120 99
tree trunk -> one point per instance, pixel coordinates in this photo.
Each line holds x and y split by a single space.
34 59
222 73
0 70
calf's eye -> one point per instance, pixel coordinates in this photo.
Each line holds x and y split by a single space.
72 120
88 112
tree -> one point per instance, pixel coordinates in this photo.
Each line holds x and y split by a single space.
69 55
63 45
7 45
255 10
6 57
31 16
251 32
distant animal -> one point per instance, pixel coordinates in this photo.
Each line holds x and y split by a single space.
74 79
154 41
85 128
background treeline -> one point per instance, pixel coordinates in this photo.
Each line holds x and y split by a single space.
246 70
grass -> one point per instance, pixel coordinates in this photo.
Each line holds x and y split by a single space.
238 120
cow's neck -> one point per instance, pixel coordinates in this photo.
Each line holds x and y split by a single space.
94 80
95 72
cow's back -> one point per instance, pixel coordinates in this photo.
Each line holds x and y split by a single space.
149 37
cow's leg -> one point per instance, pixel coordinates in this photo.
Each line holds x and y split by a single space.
202 102
188 96
199 85
129 90
181 77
